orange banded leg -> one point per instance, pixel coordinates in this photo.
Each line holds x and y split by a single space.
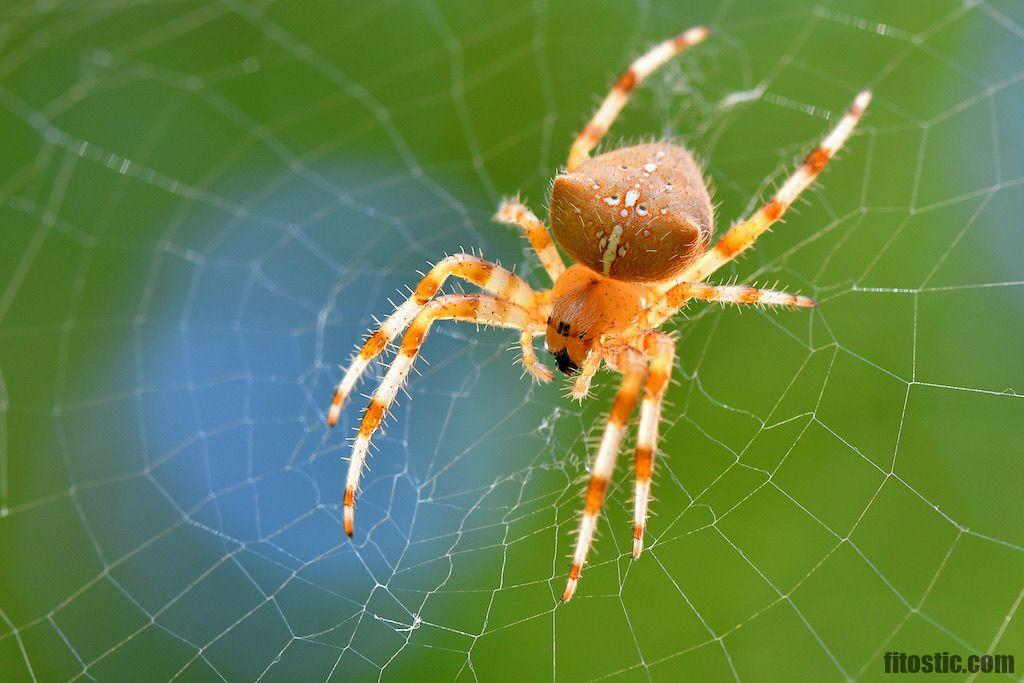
662 351
476 308
514 212
486 275
677 297
742 235
619 94
631 364
734 294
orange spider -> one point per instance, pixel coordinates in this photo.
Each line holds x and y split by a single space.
637 221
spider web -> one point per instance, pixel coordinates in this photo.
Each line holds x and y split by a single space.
205 203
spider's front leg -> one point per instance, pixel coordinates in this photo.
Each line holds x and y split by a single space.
630 362
475 308
488 276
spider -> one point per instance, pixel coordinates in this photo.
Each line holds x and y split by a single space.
637 221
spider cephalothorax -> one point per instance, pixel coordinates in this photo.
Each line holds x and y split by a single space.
638 222
587 306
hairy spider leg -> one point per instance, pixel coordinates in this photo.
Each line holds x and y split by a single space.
735 294
630 362
617 98
488 276
591 364
514 212
477 308
676 298
743 234
534 367
662 351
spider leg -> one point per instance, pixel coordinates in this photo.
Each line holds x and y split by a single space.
590 366
676 298
743 234
476 308
486 275
662 351
514 212
537 370
617 98
630 362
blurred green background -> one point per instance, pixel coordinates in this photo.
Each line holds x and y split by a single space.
203 204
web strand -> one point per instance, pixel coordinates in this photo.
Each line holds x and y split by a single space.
172 446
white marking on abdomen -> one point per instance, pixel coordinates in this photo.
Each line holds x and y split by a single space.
609 252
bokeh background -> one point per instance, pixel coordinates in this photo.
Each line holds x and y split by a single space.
204 204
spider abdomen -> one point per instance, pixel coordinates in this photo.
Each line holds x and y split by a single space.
640 214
